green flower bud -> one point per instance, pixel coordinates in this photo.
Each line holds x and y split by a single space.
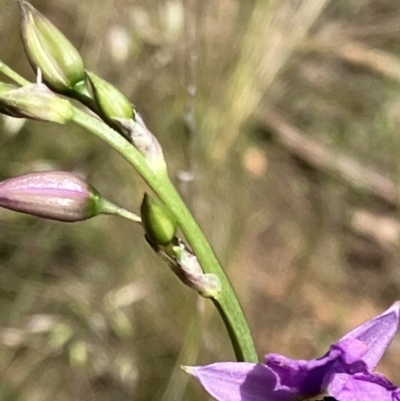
48 49
55 195
160 226
34 101
113 105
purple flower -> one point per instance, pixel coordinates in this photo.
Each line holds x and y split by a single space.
345 373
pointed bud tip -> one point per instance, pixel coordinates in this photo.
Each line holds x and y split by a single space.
25 6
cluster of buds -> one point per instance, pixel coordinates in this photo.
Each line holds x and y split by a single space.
62 69
63 196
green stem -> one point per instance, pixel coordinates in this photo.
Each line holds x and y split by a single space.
128 215
226 302
107 207
8 72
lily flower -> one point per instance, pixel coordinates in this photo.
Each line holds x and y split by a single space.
344 373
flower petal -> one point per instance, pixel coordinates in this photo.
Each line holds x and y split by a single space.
358 352
233 381
362 387
303 377
376 335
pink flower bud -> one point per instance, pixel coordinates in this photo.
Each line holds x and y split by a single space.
54 195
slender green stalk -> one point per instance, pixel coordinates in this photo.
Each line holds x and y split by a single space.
8 72
110 208
128 215
226 302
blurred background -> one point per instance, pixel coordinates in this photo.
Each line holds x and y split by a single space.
279 120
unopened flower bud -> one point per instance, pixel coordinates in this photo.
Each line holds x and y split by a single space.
159 224
54 195
113 105
50 51
34 101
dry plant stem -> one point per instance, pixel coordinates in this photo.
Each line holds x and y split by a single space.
275 30
226 301
323 158
356 53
